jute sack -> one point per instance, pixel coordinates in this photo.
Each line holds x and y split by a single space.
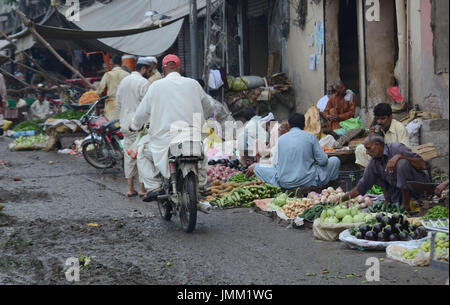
312 122
331 231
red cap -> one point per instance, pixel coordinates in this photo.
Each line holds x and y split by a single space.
171 59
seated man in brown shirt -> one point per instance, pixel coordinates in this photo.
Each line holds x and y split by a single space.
340 107
391 167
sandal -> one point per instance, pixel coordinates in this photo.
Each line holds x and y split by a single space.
132 195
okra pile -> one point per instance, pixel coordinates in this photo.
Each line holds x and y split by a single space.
244 196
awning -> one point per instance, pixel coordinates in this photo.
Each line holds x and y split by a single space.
117 26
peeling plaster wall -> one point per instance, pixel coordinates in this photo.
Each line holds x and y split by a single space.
429 90
380 48
308 85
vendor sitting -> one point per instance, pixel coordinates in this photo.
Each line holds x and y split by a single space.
250 137
393 130
40 109
391 167
340 107
301 160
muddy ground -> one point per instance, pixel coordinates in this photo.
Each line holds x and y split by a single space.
46 215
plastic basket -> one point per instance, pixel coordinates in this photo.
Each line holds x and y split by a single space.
11 113
349 179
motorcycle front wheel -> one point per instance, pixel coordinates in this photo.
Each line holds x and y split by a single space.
188 206
94 154
165 209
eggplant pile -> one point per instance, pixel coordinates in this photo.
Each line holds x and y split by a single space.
386 229
234 164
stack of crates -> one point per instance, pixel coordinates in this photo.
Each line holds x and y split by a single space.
11 112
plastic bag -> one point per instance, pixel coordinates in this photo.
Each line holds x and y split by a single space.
312 122
353 123
413 129
327 142
394 252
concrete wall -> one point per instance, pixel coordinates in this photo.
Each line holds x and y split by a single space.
428 90
308 85
437 132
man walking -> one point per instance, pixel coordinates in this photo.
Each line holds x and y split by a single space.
110 82
130 93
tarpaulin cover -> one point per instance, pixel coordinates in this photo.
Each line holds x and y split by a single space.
119 25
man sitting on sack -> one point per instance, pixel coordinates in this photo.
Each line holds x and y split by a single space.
301 160
340 107
393 130
391 167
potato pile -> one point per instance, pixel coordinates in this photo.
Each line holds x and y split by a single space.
296 207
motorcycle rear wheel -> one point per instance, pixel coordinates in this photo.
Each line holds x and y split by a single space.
188 207
93 154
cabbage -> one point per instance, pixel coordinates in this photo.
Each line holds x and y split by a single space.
358 218
333 220
347 219
330 212
342 213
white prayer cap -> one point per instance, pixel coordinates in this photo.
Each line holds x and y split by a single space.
144 61
267 118
152 59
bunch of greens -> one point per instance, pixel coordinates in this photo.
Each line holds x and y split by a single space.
375 190
241 178
69 115
29 126
436 212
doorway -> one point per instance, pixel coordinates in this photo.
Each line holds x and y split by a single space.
348 46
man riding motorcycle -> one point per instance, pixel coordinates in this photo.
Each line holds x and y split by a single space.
174 106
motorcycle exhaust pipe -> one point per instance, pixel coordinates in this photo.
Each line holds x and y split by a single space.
204 207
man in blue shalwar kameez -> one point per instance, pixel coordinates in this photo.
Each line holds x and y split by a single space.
301 160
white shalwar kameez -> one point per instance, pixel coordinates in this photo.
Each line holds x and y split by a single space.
130 93
175 108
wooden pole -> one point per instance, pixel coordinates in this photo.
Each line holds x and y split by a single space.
18 79
30 26
44 73
207 41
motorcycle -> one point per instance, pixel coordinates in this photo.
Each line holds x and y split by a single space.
181 189
102 148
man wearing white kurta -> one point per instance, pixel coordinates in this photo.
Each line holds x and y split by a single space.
40 109
173 103
130 93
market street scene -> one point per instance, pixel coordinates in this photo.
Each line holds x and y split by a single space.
224 142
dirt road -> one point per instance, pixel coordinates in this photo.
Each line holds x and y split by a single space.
49 214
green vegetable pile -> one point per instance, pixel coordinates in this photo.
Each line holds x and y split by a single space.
441 248
387 208
313 213
244 196
29 126
241 178
436 212
69 115
280 200
29 141
375 190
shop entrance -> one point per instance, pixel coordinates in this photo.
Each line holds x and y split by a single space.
348 45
